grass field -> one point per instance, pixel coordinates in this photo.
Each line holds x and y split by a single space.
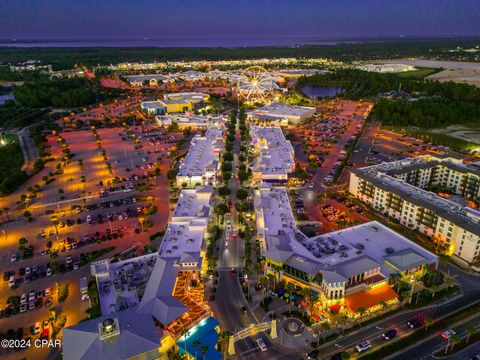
452 142
420 73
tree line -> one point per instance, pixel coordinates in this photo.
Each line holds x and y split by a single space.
66 58
71 92
423 103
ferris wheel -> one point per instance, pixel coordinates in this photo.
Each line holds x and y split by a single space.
255 84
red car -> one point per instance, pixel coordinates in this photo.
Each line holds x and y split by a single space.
233 273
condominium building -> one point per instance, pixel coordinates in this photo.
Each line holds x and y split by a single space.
401 189
147 301
200 166
348 269
280 114
274 159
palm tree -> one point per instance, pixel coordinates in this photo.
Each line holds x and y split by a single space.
344 320
196 343
455 339
384 305
428 322
313 298
443 259
185 334
449 281
325 327
470 331
204 349
434 290
361 311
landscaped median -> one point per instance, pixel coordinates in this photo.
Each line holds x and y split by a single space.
472 336
422 333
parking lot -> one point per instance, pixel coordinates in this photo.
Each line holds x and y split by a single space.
77 212
321 141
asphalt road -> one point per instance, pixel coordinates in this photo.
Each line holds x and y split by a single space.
436 343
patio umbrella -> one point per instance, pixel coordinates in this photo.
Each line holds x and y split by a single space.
281 291
286 295
292 297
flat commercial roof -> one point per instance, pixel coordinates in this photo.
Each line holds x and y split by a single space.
203 152
276 153
283 109
142 78
339 254
193 203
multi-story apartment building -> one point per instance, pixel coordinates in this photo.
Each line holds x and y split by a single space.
400 189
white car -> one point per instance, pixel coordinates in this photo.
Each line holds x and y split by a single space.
23 307
363 346
13 258
47 292
31 296
69 260
23 298
49 272
262 345
27 270
85 297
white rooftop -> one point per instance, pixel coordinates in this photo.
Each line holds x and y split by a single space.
276 153
343 253
203 152
193 203
283 109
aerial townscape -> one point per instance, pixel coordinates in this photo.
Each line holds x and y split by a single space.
232 195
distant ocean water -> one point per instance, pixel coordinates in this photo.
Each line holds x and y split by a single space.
227 42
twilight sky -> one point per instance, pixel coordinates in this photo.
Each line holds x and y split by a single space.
167 19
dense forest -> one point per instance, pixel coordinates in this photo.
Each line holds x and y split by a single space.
423 103
11 161
12 116
67 58
71 92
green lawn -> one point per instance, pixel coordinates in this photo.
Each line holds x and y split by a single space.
438 139
421 72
